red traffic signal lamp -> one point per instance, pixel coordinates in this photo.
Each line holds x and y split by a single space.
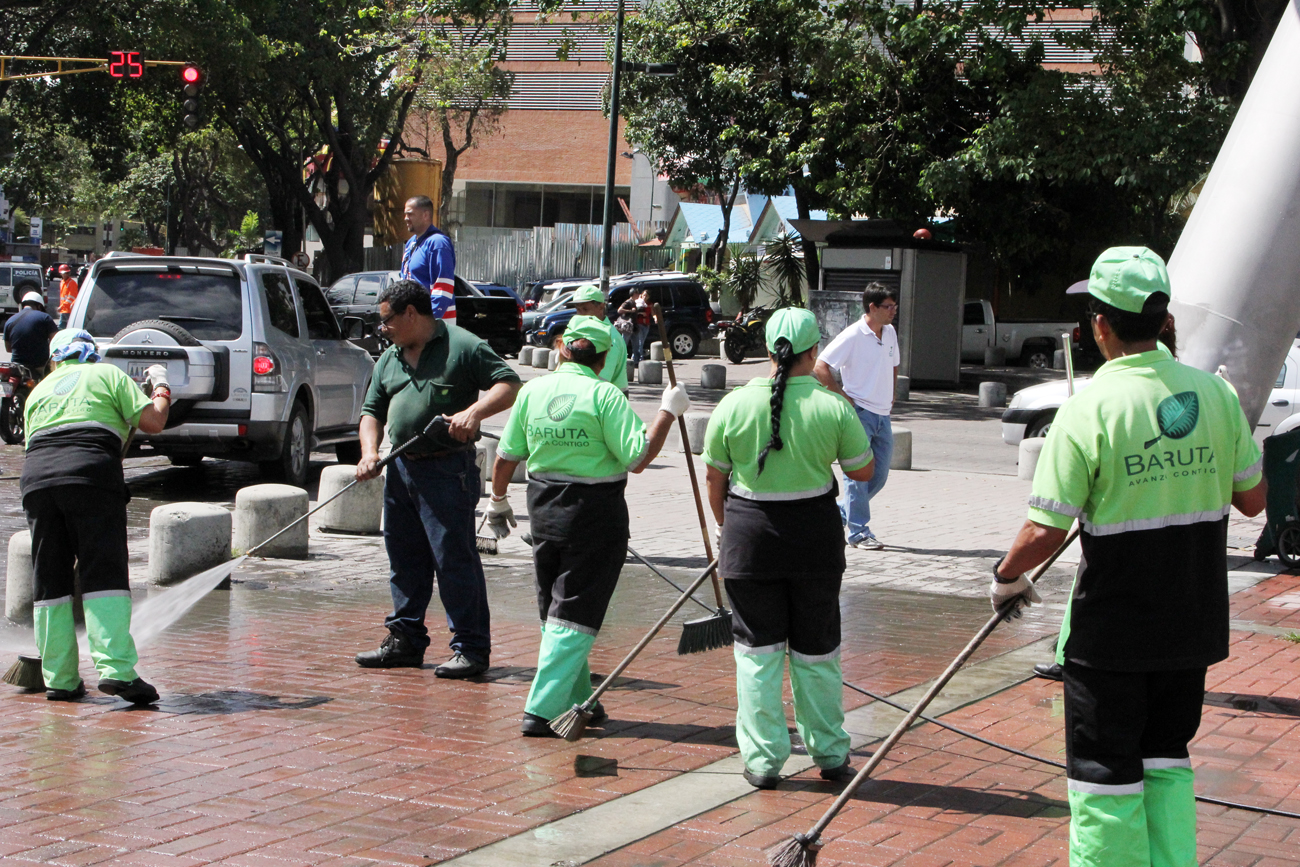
193 78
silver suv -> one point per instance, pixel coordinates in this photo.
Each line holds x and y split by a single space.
258 366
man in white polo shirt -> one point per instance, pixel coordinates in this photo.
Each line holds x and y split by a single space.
865 355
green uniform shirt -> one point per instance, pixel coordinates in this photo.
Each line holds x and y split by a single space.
817 427
453 368
615 369
76 393
1147 458
572 426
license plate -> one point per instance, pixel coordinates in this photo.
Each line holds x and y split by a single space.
136 369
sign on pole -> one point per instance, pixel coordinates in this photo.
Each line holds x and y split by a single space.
37 224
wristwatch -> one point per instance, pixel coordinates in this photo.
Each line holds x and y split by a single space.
1012 580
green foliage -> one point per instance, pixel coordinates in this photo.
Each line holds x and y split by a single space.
713 281
743 279
786 265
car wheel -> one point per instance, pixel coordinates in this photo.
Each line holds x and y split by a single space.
291 467
1041 424
1039 357
684 343
348 453
11 420
176 332
1288 545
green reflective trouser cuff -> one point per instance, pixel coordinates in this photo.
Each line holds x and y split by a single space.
818 689
761 729
1170 801
108 633
1108 830
56 640
563 677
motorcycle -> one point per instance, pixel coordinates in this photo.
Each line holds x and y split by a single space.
745 331
16 382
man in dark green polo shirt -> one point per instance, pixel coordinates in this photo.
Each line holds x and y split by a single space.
433 368
1148 459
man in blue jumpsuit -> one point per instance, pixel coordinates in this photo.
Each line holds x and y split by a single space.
429 258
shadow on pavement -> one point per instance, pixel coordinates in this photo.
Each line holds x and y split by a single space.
1005 802
228 701
1256 703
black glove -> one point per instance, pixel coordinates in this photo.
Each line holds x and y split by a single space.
438 434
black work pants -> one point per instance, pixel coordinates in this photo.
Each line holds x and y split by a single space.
76 529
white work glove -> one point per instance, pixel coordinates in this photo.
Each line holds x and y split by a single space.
500 517
1022 587
676 401
717 539
155 376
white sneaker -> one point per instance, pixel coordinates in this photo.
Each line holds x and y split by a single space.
869 543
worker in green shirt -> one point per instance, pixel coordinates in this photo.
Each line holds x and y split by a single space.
580 439
769 451
434 368
1149 459
588 300
77 420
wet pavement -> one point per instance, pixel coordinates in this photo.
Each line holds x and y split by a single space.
271 747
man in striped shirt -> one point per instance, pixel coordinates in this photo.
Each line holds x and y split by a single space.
1149 459
429 258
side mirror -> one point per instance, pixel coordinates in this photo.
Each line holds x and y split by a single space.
355 328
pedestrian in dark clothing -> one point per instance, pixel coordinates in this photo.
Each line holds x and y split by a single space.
28 334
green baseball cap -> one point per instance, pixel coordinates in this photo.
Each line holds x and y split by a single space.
796 325
592 329
1128 277
586 292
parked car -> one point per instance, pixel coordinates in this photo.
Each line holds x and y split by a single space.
533 318
688 317
498 320
16 280
1032 343
1032 409
258 365
540 292
497 290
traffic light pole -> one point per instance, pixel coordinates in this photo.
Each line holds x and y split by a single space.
606 237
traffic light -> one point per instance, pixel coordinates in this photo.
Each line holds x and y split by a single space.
193 78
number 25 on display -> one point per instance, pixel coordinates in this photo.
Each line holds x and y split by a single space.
125 64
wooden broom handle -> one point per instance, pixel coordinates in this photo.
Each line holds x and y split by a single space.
686 446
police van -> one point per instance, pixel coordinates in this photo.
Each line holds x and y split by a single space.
16 280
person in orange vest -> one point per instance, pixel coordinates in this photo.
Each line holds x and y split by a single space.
68 289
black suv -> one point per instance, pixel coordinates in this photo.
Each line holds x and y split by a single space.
497 319
688 317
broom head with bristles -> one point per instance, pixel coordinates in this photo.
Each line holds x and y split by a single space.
706 633
570 724
26 674
485 544
798 851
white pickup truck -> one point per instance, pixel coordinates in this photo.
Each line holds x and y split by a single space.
1031 342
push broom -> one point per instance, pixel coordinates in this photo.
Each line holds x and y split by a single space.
714 631
801 849
26 672
570 724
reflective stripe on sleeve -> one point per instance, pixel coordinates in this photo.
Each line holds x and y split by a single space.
1053 506
1249 471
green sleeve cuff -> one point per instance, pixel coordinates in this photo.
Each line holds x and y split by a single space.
1050 519
856 463
1247 484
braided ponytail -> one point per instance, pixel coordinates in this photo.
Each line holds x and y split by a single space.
784 357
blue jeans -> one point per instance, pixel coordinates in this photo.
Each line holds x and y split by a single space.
428 532
855 507
639 335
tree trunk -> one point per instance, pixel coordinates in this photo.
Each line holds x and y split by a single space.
809 248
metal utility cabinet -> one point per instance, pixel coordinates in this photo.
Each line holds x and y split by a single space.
930 277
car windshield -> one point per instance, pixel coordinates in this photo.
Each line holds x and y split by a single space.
557 302
207 305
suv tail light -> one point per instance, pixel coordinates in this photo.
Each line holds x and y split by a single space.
1075 335
266 371
519 323
708 315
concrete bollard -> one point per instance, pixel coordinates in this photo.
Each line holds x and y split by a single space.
696 424
1027 463
631 372
651 373
553 359
713 376
902 388
261 511
489 447
993 394
360 510
18 578
995 356
185 539
541 357
526 356
1058 360
901 459
656 351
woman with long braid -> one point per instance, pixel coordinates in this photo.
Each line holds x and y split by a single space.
769 451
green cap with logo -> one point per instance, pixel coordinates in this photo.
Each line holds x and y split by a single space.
586 292
1131 279
796 325
592 329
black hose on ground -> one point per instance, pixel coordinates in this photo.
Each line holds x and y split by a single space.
1205 799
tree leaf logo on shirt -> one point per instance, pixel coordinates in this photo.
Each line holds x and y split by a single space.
1176 415
560 406
68 383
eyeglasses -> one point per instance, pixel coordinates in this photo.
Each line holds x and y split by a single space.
383 323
